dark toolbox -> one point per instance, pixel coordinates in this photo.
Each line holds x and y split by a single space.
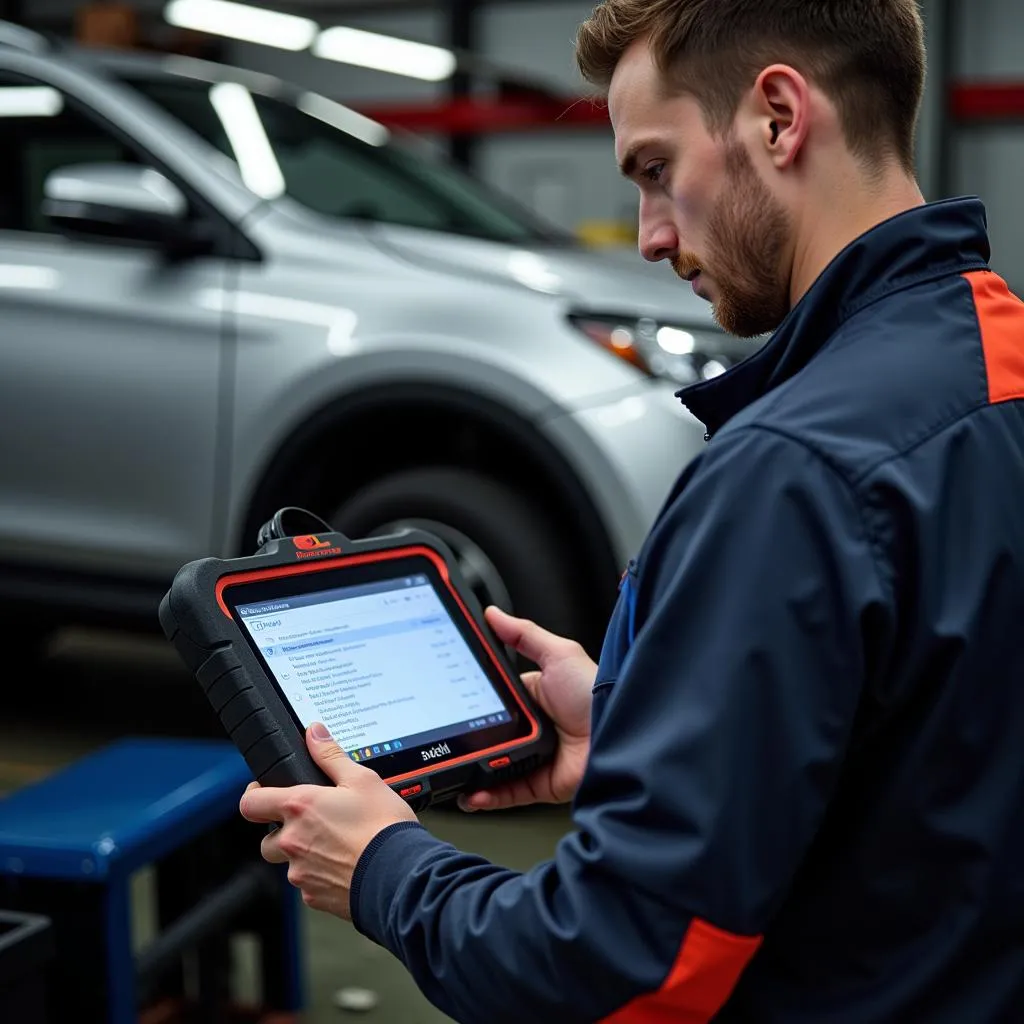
26 948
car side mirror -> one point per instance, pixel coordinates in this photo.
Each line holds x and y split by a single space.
117 201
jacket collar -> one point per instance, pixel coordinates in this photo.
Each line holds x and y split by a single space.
925 243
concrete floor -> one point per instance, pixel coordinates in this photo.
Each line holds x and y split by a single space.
93 688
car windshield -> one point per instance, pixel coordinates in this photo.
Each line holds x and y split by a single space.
337 163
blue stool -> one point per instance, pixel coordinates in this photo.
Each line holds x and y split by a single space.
70 844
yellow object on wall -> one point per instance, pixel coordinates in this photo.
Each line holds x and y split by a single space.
606 234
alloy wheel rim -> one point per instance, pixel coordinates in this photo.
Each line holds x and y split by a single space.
474 564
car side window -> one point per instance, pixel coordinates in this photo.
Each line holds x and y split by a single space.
331 171
43 130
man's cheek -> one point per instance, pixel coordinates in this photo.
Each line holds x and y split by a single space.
686 212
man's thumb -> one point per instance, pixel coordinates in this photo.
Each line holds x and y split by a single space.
529 639
332 760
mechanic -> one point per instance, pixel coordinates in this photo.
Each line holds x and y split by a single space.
798 785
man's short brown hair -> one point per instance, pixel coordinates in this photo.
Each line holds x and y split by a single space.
868 56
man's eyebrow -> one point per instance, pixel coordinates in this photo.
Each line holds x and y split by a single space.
628 165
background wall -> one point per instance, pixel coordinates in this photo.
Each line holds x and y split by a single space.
569 175
989 160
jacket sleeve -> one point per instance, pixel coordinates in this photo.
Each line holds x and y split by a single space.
711 766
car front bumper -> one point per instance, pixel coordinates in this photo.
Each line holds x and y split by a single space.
628 453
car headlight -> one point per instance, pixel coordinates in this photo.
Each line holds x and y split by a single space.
684 355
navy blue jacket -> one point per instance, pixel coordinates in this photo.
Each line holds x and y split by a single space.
805 795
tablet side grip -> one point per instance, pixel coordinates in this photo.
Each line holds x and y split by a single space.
261 725
239 705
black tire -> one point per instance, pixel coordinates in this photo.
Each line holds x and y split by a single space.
34 637
508 527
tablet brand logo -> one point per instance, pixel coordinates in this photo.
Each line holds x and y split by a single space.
312 546
310 542
435 752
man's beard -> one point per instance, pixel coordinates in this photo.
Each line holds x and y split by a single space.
748 232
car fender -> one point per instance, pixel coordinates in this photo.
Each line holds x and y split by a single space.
269 439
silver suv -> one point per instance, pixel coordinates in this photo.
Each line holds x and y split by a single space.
220 295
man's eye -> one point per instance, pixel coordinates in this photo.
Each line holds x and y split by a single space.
654 172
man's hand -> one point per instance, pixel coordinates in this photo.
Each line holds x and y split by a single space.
325 830
562 688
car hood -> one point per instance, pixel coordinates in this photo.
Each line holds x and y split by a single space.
616 282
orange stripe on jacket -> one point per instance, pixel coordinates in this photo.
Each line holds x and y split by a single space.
709 964
1001 319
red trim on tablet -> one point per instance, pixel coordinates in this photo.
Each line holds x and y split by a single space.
259 575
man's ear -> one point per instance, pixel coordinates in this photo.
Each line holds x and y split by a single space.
782 106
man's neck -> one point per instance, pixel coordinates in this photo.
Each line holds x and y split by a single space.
848 210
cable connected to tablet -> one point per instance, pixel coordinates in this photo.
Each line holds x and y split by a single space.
381 639
287 522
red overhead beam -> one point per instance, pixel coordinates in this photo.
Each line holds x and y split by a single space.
468 116
987 101
482 117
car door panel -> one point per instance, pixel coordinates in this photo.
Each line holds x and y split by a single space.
110 382
109 391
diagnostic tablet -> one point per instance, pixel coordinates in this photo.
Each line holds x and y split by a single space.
380 640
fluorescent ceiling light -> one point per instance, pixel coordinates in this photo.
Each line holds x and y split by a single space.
244 129
240 21
21 276
30 101
349 121
385 53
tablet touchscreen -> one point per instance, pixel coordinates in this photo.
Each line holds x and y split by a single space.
385 655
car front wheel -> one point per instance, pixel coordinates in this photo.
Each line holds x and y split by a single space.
505 549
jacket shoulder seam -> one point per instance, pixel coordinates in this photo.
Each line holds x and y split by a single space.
928 433
940 428
935 429
850 485
884 291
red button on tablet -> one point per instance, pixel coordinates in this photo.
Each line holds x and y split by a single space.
410 791
500 762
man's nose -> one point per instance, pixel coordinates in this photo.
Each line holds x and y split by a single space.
658 238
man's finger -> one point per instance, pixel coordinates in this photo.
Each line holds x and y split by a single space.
529 639
515 794
531 680
262 805
333 761
270 848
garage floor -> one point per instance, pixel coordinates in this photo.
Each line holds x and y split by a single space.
96 687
